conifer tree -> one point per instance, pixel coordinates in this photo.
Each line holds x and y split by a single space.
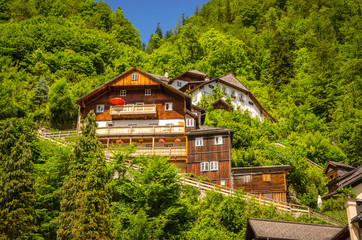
84 205
41 92
16 185
159 31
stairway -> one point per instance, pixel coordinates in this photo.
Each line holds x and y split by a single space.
291 208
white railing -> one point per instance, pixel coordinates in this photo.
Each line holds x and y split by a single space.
140 130
134 109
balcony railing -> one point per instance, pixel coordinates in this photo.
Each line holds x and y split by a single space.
135 109
165 151
140 130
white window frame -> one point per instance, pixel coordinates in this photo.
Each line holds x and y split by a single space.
204 166
100 108
170 108
123 93
214 166
179 84
148 92
217 140
134 76
199 142
190 122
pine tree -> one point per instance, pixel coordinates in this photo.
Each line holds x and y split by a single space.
84 205
16 185
159 31
41 92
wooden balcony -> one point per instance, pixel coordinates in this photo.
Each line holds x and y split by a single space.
135 111
140 130
165 151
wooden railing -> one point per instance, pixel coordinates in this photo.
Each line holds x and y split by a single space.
140 130
134 109
207 186
165 151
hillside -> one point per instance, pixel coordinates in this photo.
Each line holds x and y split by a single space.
301 59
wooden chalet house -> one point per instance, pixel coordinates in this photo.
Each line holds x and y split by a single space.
342 175
199 84
264 181
160 120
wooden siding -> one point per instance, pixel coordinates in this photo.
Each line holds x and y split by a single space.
215 176
133 96
127 81
268 184
207 153
209 150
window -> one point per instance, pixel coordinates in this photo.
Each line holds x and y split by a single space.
179 84
134 76
100 108
168 106
204 167
148 145
267 177
246 179
168 145
199 142
224 89
218 140
123 93
211 86
148 92
189 122
251 103
222 182
233 93
214 166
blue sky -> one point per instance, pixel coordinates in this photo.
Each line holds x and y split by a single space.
145 14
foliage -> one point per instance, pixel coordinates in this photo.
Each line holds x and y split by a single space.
84 204
17 214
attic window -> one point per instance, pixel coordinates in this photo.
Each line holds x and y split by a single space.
179 84
251 103
123 93
168 106
100 108
134 76
267 177
189 122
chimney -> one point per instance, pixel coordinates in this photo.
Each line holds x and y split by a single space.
166 72
207 78
351 207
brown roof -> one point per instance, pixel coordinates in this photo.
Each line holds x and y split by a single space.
273 229
202 130
154 77
337 164
222 102
193 72
261 168
231 79
354 176
159 77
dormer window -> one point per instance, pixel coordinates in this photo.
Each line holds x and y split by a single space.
148 92
100 108
134 76
123 93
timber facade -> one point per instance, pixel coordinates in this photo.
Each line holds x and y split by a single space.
159 120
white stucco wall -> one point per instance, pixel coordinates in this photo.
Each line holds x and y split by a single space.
358 190
174 84
236 103
148 122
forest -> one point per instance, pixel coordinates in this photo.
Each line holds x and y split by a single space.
301 59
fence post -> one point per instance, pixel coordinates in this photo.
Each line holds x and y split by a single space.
198 184
309 212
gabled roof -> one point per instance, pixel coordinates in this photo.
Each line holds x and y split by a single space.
156 78
191 72
338 165
230 80
353 177
221 101
261 168
273 229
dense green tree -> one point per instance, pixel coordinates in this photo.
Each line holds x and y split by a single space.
84 205
17 215
60 105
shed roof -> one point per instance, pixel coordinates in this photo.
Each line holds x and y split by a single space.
273 229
